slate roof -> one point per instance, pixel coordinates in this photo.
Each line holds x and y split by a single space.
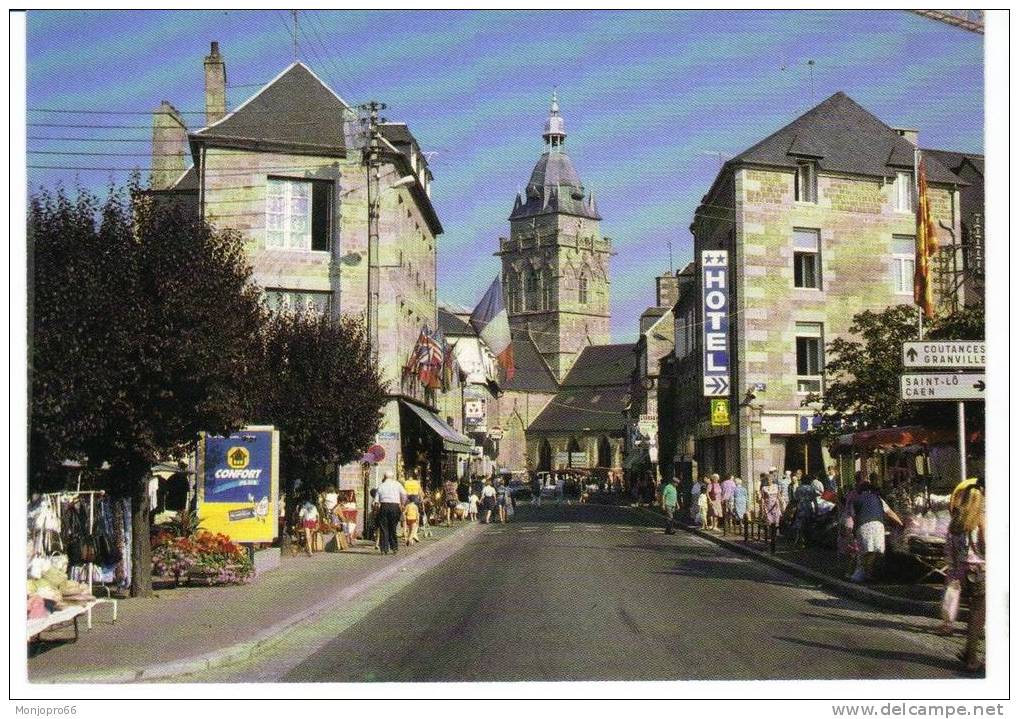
532 373
453 326
842 137
602 366
296 110
583 409
554 187
188 181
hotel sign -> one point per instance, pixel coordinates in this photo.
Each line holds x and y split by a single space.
715 318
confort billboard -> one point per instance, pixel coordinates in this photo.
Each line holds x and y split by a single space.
238 484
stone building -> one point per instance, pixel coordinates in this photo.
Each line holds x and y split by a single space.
285 170
818 221
555 263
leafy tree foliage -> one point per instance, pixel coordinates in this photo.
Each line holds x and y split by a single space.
143 325
862 387
320 388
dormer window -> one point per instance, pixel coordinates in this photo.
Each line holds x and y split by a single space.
806 182
904 191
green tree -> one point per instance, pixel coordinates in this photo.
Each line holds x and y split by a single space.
143 325
320 388
863 370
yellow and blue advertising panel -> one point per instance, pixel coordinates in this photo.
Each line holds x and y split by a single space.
238 484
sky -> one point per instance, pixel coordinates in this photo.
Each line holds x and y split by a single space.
653 102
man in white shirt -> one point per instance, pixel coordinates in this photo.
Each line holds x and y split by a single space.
391 497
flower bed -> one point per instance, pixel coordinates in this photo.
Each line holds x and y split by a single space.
205 557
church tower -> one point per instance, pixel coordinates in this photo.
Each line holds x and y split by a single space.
555 263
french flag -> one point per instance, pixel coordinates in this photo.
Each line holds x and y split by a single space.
491 321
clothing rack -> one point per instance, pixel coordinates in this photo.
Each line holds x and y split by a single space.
91 494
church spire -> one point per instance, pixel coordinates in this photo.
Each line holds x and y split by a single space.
555 129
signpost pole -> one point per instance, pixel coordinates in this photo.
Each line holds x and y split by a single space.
962 441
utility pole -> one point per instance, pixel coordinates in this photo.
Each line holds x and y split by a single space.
372 160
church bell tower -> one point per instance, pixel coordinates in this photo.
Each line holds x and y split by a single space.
555 263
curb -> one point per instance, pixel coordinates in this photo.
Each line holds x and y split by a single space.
901 605
269 636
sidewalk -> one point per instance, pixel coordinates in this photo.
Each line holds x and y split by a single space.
826 567
185 630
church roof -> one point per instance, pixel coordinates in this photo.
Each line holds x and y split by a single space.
532 373
555 186
583 409
602 366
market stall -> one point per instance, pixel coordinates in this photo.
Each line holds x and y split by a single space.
916 469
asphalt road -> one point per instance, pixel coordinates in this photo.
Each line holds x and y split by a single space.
585 592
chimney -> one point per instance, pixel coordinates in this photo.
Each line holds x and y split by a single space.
215 85
911 134
666 290
169 147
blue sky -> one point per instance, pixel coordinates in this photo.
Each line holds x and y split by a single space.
653 101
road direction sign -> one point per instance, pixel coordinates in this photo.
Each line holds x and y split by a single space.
943 387
946 354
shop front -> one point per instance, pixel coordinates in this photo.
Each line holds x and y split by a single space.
431 448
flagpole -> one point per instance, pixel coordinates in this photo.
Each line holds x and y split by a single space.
916 215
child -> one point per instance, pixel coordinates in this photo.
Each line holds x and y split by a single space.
702 509
410 518
472 506
308 515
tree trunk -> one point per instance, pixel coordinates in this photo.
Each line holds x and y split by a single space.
141 550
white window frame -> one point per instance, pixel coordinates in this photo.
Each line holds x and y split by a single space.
810 330
805 183
903 265
291 240
815 251
284 298
905 192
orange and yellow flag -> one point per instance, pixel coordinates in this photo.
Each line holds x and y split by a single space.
926 247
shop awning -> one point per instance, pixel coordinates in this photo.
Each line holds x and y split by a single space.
894 438
452 441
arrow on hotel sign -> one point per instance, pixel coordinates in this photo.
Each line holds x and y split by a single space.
716 386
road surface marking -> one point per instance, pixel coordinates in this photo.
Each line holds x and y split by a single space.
561 529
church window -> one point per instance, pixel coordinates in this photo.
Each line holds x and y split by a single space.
582 290
532 290
547 289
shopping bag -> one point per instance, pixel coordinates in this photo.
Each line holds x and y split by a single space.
950 602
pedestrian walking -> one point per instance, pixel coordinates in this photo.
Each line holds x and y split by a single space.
413 489
714 502
805 497
741 508
411 515
488 500
536 490
771 508
702 510
500 496
870 511
392 498
308 514
846 538
728 492
785 483
472 506
968 551
670 498
964 554
450 500
831 480
695 499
